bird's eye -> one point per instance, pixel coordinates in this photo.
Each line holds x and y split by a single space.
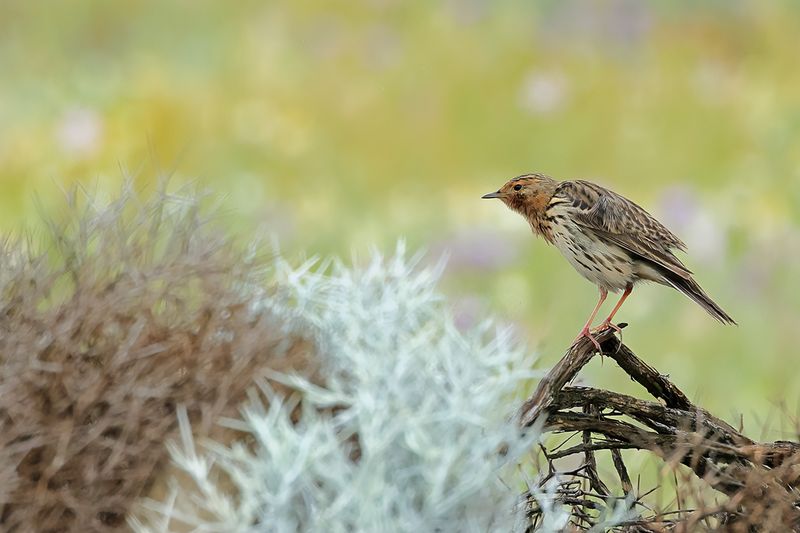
517 187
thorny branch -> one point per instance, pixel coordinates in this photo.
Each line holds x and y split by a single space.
760 480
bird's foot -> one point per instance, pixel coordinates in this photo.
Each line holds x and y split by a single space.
588 334
607 325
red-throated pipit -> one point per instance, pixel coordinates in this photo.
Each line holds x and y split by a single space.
608 239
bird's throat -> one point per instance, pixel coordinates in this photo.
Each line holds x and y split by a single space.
534 212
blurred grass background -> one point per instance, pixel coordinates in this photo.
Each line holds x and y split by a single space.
340 125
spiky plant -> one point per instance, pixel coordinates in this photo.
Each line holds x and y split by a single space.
410 431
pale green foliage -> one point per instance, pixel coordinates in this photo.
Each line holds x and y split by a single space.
422 412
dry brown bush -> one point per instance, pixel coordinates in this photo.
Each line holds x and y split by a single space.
122 314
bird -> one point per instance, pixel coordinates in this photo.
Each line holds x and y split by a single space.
610 240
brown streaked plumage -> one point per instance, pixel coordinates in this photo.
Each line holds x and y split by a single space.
607 238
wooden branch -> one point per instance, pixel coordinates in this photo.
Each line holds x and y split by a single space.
680 446
594 446
653 415
671 427
595 482
580 353
622 472
658 385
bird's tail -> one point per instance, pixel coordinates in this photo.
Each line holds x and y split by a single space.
690 288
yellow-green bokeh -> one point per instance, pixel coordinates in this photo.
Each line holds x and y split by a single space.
339 125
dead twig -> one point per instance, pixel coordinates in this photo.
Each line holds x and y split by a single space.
671 428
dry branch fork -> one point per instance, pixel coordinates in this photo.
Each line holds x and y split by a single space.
672 428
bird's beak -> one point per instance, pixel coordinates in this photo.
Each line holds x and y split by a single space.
492 195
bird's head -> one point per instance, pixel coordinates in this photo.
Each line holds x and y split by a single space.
527 194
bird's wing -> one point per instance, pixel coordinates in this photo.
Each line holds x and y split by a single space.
622 222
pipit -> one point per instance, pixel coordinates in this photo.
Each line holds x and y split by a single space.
607 238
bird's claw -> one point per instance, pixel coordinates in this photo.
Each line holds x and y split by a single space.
588 334
607 325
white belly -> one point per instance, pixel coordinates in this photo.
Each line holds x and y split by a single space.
606 265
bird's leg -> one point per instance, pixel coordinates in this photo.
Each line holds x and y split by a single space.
585 331
607 322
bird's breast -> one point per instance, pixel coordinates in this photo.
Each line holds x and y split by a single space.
604 264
